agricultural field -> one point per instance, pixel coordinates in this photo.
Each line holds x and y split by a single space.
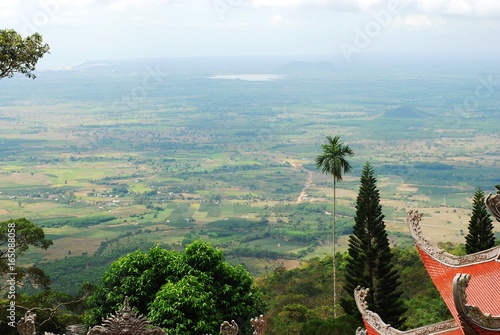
110 159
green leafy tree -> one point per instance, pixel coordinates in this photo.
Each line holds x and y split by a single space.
481 235
16 236
333 162
369 263
54 311
18 54
186 293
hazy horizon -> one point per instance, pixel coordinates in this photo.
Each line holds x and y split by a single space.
345 31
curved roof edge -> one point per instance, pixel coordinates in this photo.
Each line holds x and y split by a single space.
413 219
471 315
375 322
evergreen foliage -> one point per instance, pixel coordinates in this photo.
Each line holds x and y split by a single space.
369 261
481 235
300 300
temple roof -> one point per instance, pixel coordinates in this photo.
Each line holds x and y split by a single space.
480 270
469 285
483 267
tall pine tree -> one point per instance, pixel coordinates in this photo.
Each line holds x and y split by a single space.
480 236
369 261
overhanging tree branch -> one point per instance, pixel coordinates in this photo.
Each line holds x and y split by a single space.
19 54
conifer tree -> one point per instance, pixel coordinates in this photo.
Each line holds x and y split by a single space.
480 236
369 261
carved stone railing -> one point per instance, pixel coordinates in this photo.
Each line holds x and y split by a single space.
128 322
471 314
413 219
374 320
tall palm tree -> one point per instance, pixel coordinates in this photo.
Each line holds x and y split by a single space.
333 162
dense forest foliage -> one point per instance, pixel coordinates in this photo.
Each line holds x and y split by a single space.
296 301
300 301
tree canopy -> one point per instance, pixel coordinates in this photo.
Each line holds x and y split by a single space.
16 236
333 159
186 293
18 54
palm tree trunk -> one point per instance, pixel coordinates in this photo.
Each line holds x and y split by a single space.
334 270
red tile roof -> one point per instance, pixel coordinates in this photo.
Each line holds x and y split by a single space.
484 287
481 272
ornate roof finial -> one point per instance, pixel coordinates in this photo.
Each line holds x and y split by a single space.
259 325
26 326
360 331
227 328
125 322
493 204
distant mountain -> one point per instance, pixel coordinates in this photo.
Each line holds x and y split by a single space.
305 67
406 112
127 65
207 65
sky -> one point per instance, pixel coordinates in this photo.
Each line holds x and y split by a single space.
85 30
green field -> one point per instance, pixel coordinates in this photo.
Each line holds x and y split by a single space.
232 162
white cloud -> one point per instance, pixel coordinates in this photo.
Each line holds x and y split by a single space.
276 20
458 7
281 21
419 21
11 3
465 8
290 3
121 5
70 19
230 24
8 14
354 5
